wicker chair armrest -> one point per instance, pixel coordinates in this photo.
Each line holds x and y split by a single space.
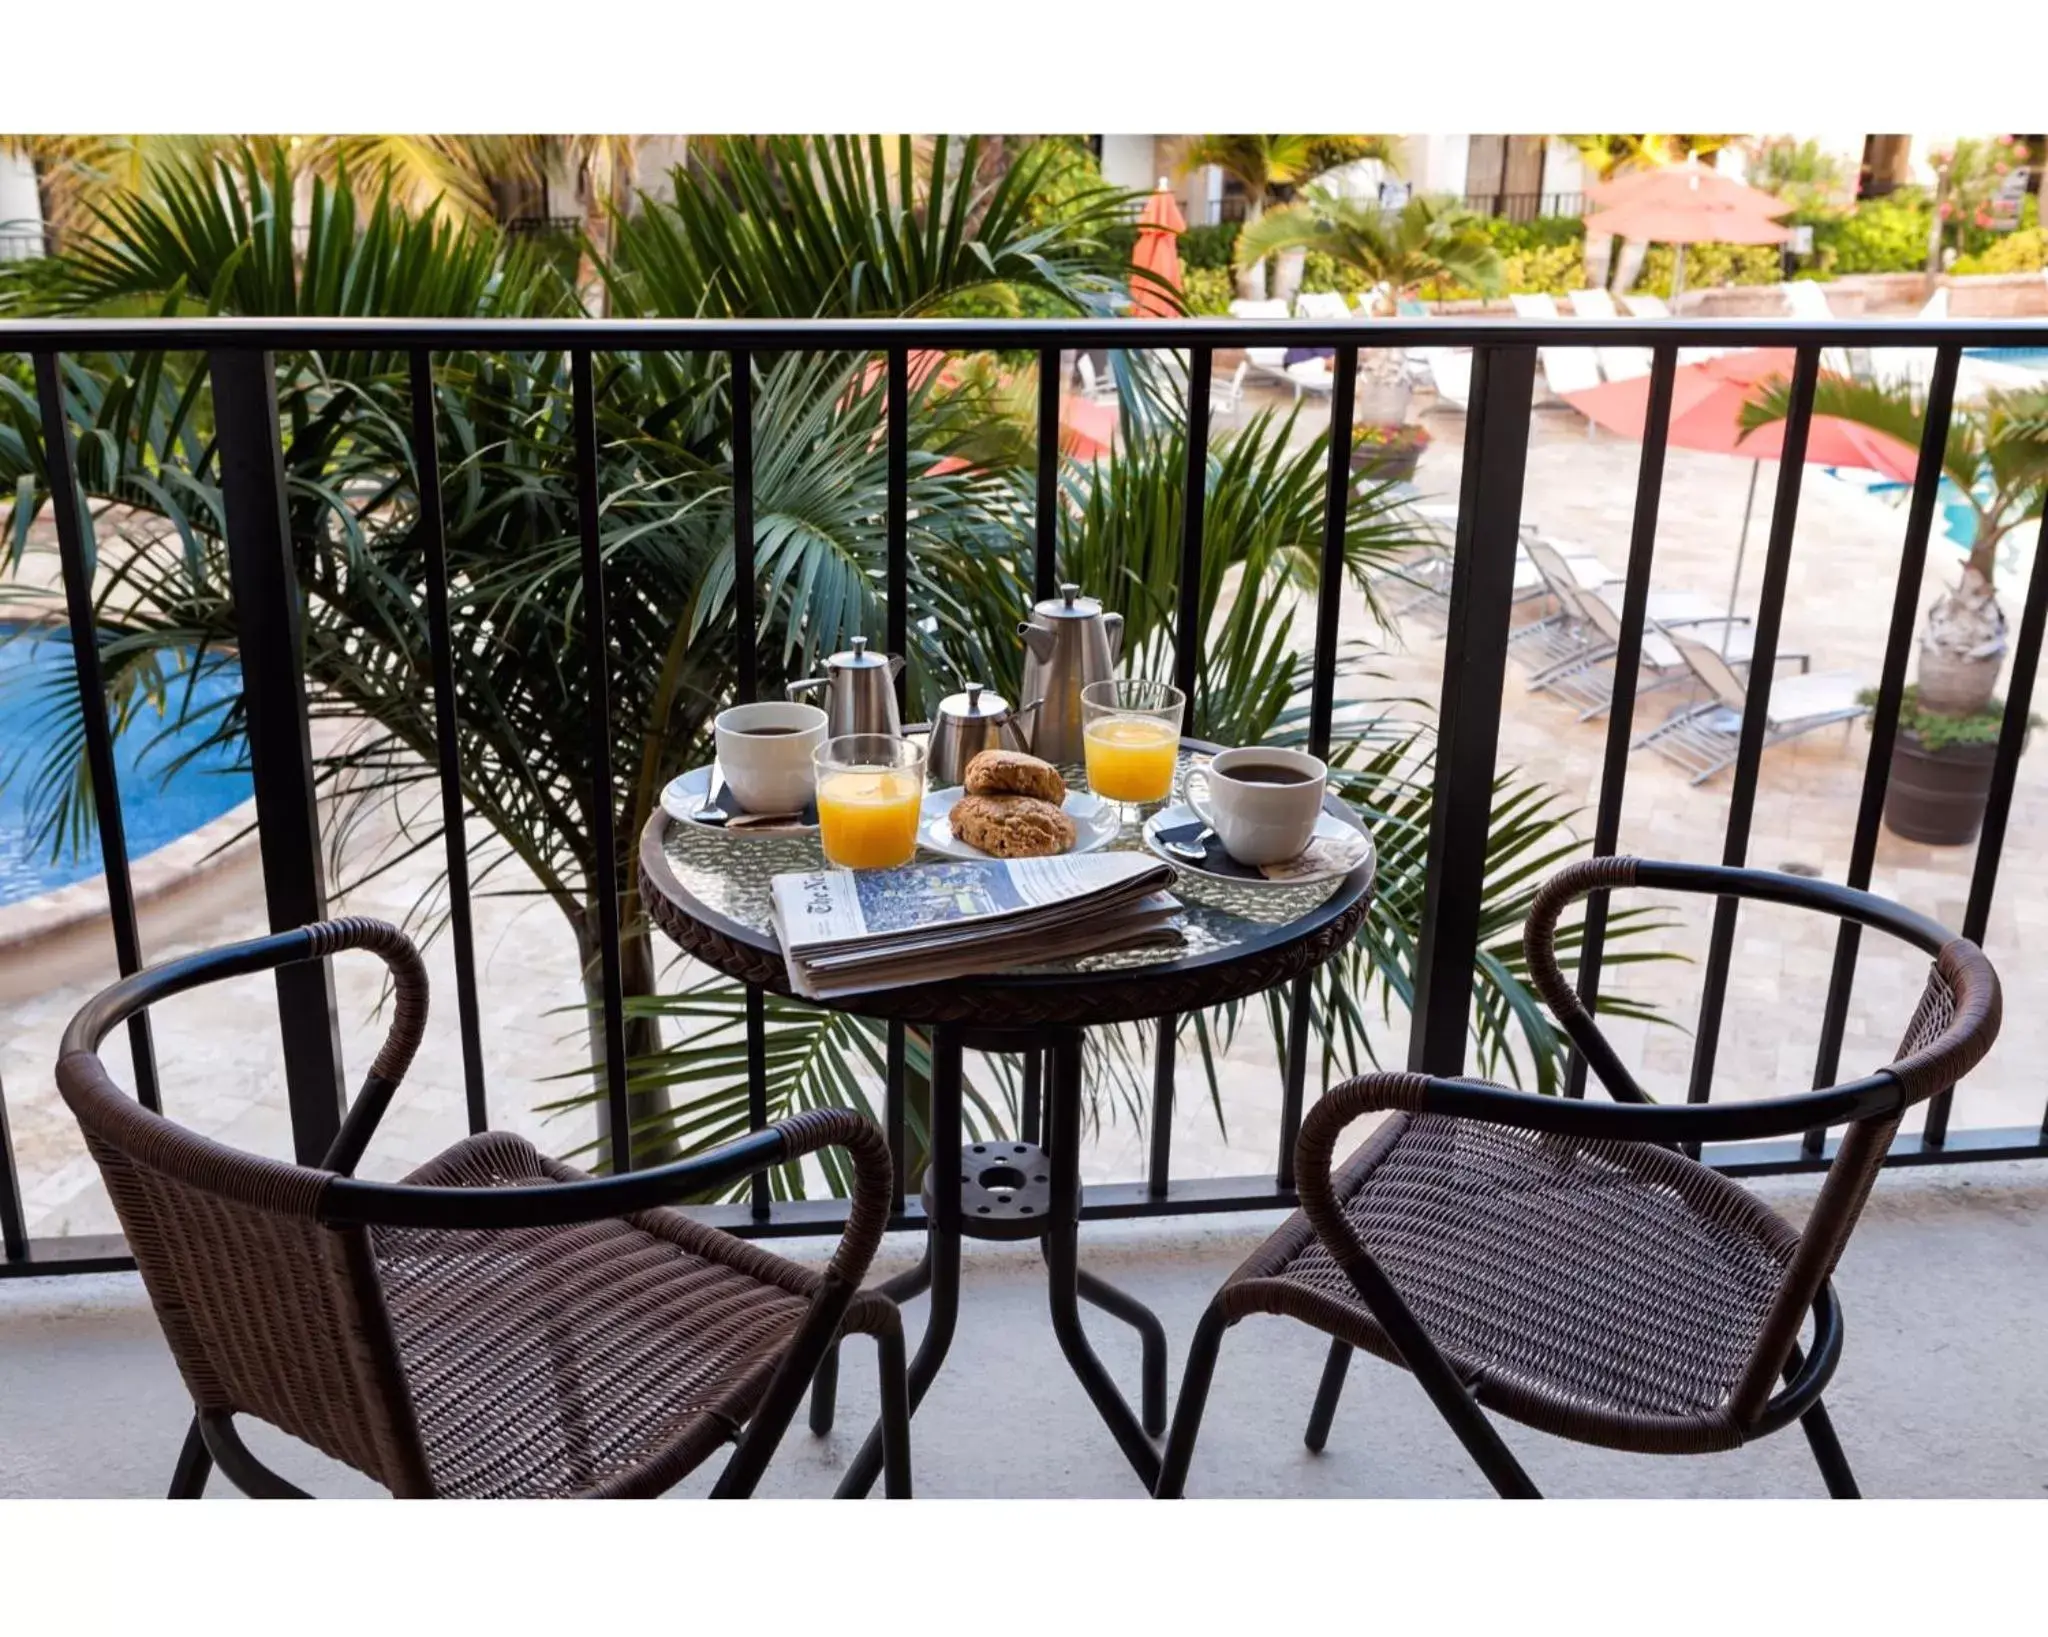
115 1005
347 1200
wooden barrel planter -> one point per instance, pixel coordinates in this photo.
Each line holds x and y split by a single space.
1386 463
1938 796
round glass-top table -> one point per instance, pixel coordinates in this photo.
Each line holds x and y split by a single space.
709 891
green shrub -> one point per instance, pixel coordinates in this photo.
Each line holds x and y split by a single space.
1210 246
1887 235
1550 270
1541 233
1937 732
1207 291
2024 251
1710 265
1323 272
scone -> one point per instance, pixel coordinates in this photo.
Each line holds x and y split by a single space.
1012 826
1012 773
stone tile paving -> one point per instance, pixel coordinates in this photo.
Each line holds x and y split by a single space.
220 1051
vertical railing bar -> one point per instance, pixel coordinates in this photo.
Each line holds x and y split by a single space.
13 1226
896 1112
757 1091
1322 712
1187 636
1159 1158
747 646
745 592
447 734
1755 716
1045 560
270 637
2012 738
61 466
604 820
1029 1128
1884 719
1628 654
897 574
1468 715
898 569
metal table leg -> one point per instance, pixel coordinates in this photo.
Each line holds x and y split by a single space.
1063 1264
941 1264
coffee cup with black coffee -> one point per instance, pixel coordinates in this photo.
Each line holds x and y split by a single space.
766 753
1262 801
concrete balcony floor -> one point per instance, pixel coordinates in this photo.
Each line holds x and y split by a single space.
1940 1391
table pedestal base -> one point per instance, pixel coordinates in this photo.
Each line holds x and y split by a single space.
1015 1190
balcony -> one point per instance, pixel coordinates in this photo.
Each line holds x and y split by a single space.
1763 1003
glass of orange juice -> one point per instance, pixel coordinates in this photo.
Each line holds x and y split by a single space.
870 793
1130 735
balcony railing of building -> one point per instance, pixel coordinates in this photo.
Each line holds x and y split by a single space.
1525 207
268 607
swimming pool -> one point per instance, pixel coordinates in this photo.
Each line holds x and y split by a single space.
162 796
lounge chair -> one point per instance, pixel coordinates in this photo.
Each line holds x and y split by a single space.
1616 363
1097 389
1702 738
1661 662
1564 563
1565 369
1228 398
1450 371
1322 304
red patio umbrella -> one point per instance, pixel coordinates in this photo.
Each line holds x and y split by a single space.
1685 204
1155 259
1707 400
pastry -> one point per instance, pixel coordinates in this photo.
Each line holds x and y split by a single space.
1012 773
1012 826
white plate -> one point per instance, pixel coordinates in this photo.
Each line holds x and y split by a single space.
1096 823
1350 843
684 794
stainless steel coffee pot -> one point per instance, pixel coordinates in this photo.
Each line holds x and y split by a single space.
860 691
969 723
1069 642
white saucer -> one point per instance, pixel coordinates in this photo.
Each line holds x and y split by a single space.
684 794
1096 823
1336 849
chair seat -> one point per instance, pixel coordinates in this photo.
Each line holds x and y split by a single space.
608 1358
1608 1292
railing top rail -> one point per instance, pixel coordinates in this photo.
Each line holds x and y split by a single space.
771 335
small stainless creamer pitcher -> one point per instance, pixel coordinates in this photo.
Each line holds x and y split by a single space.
1069 642
969 723
860 692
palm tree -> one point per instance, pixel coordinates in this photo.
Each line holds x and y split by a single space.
1425 241
787 227
1996 457
1271 167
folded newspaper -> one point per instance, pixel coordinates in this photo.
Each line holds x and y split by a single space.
845 931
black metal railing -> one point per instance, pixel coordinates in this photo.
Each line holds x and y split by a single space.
1525 207
269 609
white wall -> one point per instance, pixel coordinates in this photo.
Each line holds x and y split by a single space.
20 210
1127 162
1436 163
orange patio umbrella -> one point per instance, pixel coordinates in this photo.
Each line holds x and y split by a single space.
1155 259
1685 204
1707 400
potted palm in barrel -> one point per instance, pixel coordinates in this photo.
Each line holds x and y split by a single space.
1996 461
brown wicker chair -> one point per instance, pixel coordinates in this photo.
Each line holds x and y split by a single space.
496 1325
1563 1262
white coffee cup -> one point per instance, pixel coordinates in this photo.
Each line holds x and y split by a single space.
1261 801
766 753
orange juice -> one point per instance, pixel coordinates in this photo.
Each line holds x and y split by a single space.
868 817
1131 758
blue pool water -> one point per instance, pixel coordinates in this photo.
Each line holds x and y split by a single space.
161 799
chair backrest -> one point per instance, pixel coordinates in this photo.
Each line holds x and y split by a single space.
1321 304
1806 299
1534 306
1450 368
268 1310
1712 668
1592 304
1557 575
1569 369
1085 366
1647 306
1243 307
